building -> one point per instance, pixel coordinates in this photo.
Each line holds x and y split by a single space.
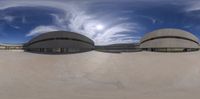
59 42
11 46
129 47
169 40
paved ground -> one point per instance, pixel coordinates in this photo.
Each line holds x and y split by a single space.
98 75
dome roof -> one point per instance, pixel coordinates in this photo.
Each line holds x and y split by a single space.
61 34
169 38
169 33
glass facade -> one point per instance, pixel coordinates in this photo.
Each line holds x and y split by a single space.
57 50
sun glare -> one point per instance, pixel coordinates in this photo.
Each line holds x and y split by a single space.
99 27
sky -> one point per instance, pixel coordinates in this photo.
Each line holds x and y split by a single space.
104 21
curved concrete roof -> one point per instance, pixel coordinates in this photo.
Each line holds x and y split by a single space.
169 38
61 34
169 43
168 32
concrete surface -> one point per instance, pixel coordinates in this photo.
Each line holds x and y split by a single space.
98 75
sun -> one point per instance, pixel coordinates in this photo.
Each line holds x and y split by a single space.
99 27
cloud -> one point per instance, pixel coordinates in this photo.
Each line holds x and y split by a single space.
8 18
193 5
78 19
42 29
16 27
117 34
192 9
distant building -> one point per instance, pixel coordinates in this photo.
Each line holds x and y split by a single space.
11 47
59 42
169 40
127 47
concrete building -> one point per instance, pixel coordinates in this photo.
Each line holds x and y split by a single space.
169 40
11 46
116 48
59 42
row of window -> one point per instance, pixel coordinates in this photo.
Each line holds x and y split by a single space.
171 49
57 50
